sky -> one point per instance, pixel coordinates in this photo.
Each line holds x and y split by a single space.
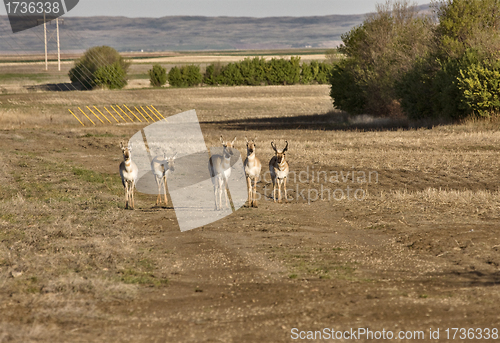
213 8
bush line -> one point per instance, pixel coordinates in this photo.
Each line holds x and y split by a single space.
252 72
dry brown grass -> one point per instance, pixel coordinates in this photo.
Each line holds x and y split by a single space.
71 258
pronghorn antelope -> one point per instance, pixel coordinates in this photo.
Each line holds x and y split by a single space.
252 172
128 173
219 167
161 168
278 167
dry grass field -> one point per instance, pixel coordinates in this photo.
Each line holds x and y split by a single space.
412 245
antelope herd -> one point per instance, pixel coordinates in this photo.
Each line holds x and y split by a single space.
219 167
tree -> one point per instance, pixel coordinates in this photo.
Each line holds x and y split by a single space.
468 25
459 77
377 54
113 68
157 76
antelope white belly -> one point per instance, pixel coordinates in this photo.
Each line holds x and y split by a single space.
280 174
252 172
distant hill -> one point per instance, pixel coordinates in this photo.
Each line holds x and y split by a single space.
185 33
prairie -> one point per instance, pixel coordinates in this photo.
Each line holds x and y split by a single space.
412 245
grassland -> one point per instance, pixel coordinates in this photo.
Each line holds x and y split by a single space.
420 250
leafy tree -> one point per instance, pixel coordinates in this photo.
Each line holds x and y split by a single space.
94 59
377 54
157 76
468 25
458 78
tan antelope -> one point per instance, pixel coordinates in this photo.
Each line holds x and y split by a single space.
128 173
278 167
219 167
161 168
252 172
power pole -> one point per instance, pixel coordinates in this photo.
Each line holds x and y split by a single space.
58 46
45 38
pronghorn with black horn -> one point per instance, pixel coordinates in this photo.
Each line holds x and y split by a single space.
128 173
278 166
252 172
161 168
219 167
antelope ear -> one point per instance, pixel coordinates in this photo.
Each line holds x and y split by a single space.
121 145
246 139
234 140
286 147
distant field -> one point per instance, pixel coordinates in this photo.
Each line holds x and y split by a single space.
20 74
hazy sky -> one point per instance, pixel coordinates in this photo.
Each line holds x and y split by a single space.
211 8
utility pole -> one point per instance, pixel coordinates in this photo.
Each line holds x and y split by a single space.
45 38
58 46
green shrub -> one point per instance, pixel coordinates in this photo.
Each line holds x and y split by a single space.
94 59
479 86
346 91
231 75
157 76
192 75
253 71
110 76
416 90
306 75
175 78
323 74
185 76
213 74
284 72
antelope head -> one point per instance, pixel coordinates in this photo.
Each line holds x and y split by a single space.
251 146
280 154
126 150
228 147
171 162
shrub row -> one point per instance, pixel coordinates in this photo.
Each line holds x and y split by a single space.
256 71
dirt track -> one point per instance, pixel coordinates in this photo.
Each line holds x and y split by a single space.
420 251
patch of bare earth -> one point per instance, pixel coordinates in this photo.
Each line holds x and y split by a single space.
386 229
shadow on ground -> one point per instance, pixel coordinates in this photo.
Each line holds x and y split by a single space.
53 87
335 120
